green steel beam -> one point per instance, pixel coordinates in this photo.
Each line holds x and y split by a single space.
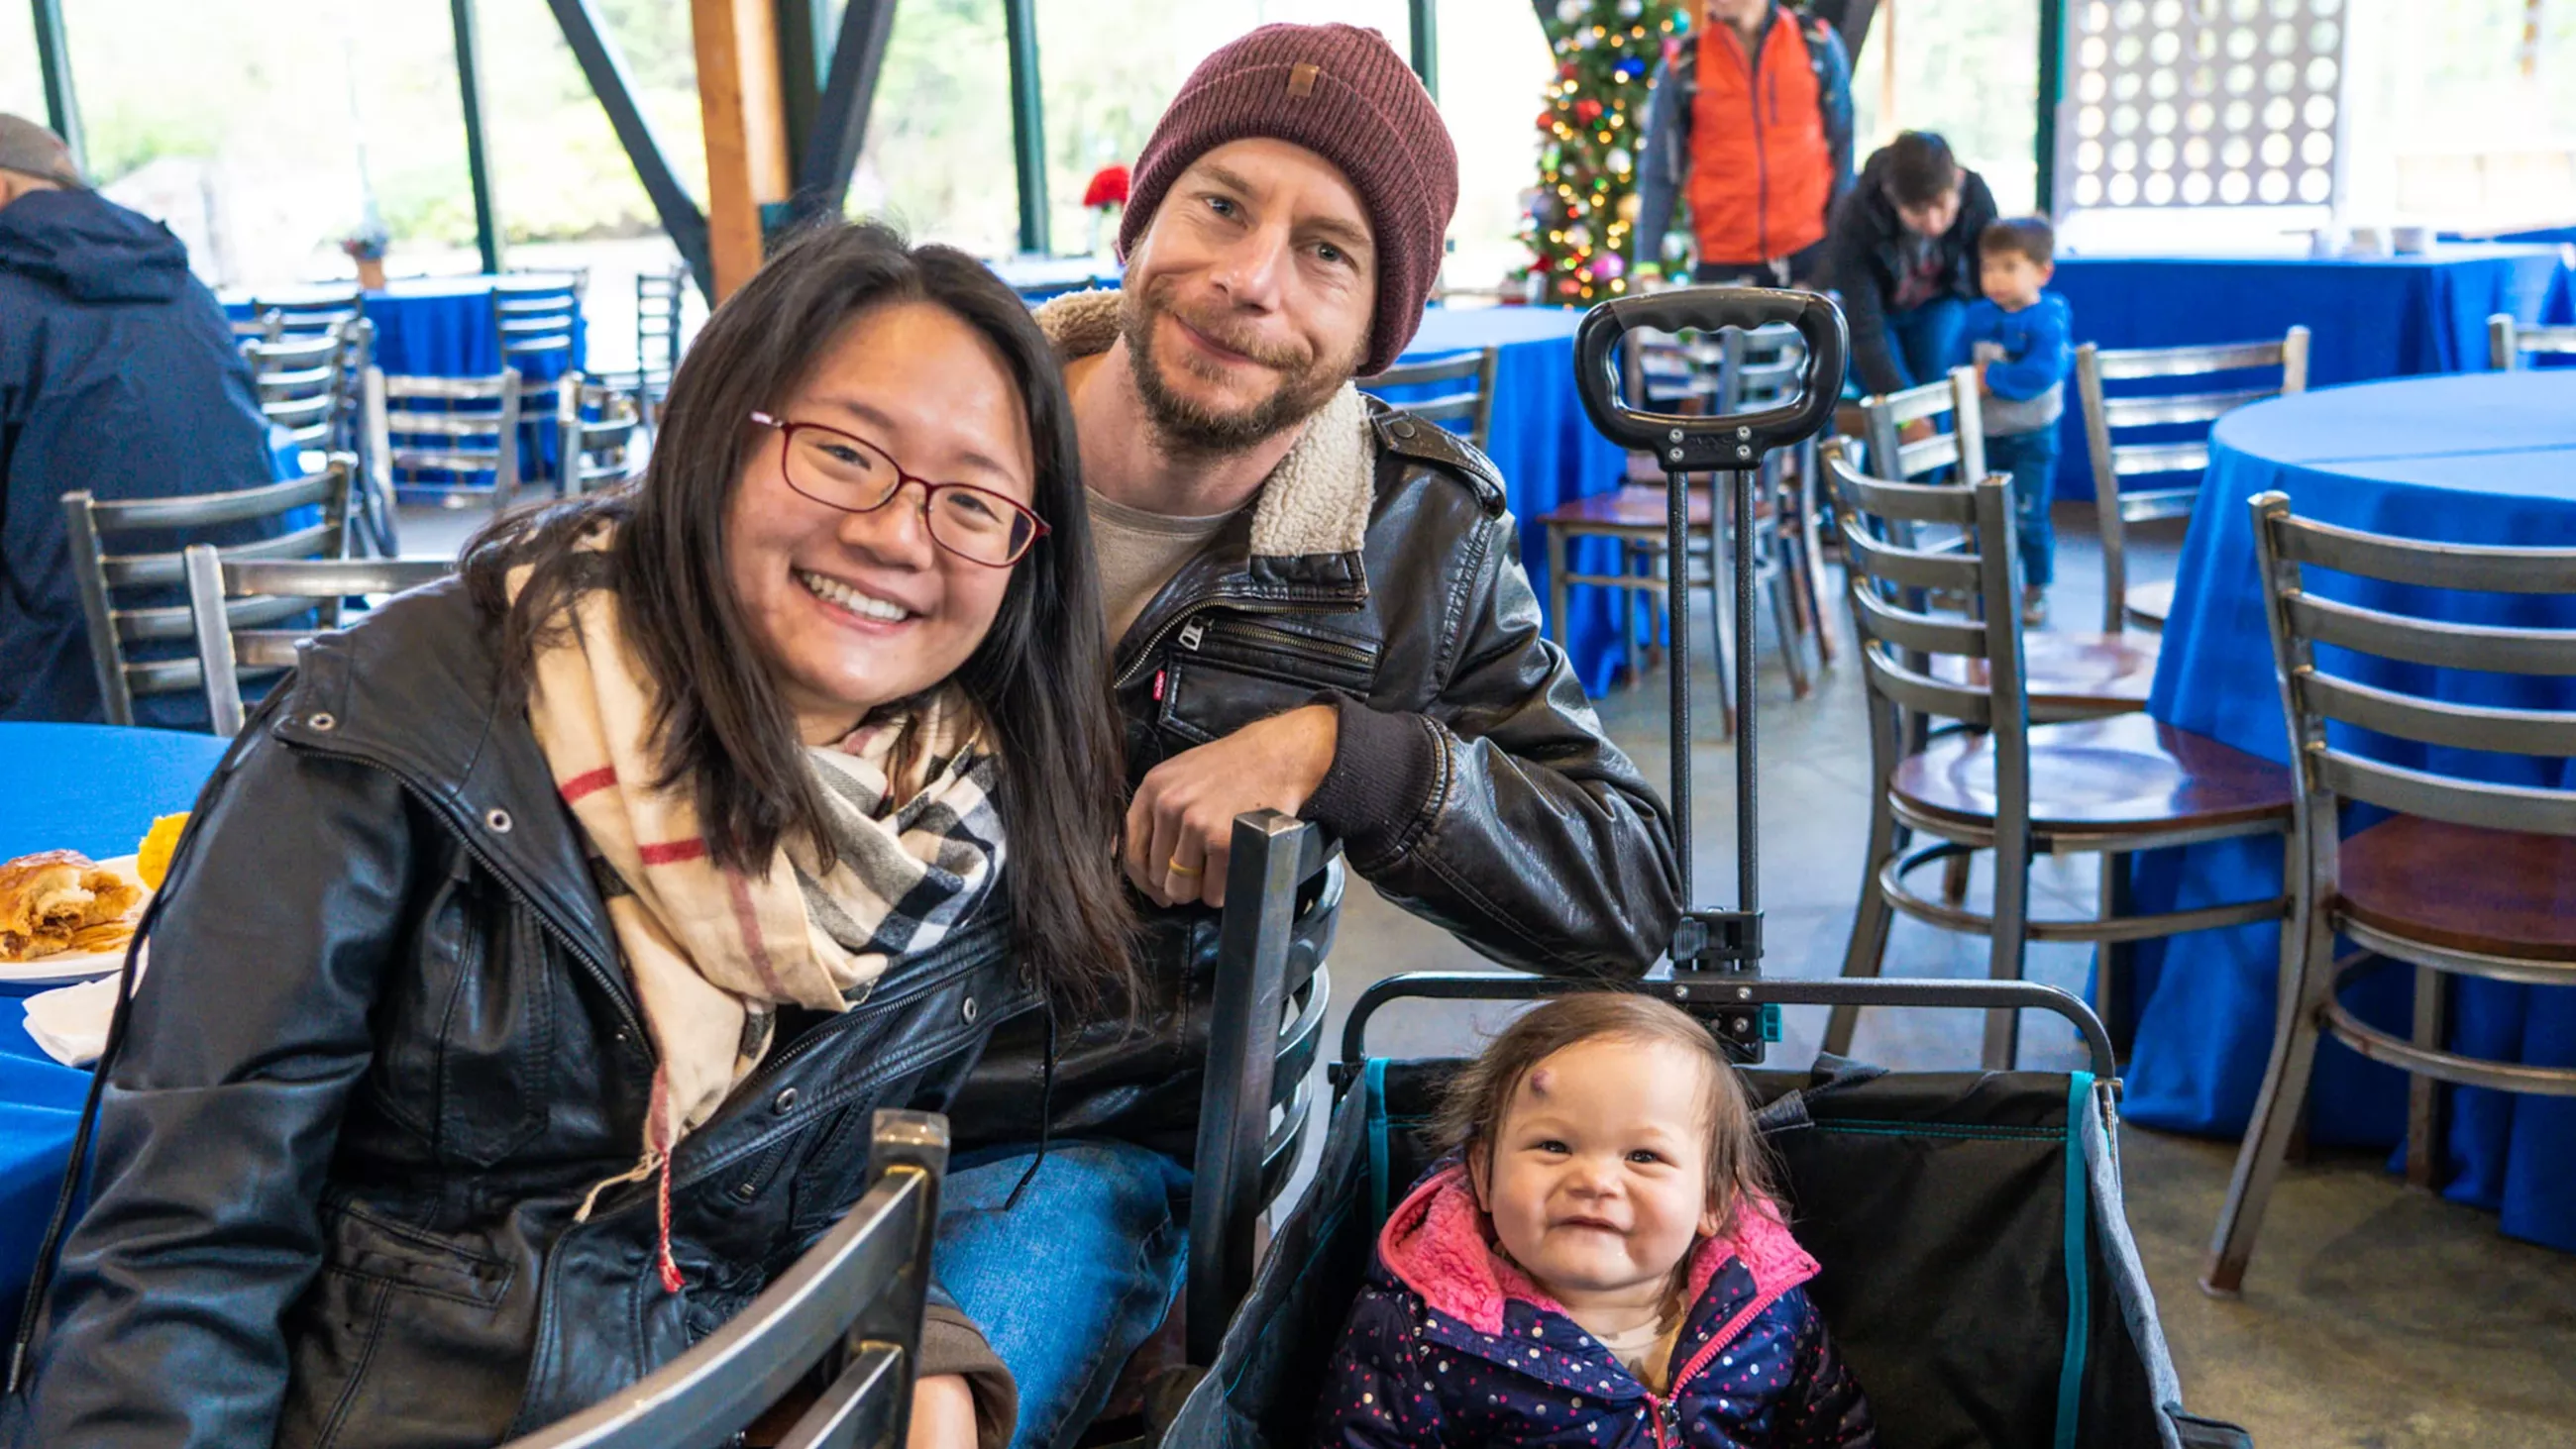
54 57
2052 89
1426 44
1028 123
478 165
840 130
804 31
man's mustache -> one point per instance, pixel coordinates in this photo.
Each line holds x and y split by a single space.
1233 339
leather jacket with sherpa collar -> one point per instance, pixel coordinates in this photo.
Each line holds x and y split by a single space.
384 1049
1472 784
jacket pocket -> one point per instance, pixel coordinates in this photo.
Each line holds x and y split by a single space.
1236 671
400 1340
466 1049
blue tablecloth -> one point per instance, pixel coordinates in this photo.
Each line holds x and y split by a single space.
94 789
2483 459
1547 451
442 327
2388 317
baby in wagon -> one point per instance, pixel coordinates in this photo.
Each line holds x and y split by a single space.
1601 1264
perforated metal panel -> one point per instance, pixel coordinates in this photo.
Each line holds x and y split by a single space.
2235 103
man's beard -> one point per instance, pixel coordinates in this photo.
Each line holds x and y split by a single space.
1187 427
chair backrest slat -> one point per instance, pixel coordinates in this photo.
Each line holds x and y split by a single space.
163 570
2509 341
230 598
2320 690
2105 417
2141 505
1920 633
1912 568
208 509
1472 404
2415 641
1921 693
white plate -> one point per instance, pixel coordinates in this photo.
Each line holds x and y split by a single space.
65 967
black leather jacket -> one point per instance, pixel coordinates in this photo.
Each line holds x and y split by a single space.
383 1050
1472 784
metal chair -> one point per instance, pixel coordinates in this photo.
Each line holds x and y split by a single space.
597 432
102 577
535 318
2105 417
220 592
1762 369
1999 783
658 299
1468 396
2465 878
2510 342
300 385
1265 1026
450 441
309 311
856 1296
260 327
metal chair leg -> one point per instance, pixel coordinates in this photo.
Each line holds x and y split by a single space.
1868 945
1556 589
1784 617
2111 959
2280 1108
2424 1094
2011 928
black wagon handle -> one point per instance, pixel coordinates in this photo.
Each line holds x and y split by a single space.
1707 443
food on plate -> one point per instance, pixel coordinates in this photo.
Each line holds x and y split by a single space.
56 899
152 857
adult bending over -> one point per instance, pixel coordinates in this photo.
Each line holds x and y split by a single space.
1903 250
530 970
1320 608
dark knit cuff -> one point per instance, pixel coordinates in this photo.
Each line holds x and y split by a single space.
1377 791
952 1344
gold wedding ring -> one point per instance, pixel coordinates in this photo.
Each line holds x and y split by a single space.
1174 867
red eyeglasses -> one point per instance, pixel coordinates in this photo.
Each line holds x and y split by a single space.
840 470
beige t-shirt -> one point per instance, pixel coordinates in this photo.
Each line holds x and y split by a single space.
1646 1350
1139 552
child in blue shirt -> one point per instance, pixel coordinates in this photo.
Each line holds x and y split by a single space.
2018 337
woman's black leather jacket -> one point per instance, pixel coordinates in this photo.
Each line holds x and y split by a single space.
383 1050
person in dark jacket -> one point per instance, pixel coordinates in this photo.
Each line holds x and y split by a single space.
1319 608
528 973
118 376
1749 124
1903 252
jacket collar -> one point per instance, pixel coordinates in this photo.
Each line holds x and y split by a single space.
1435 1244
414 689
1315 504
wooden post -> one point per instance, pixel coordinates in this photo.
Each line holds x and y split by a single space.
745 109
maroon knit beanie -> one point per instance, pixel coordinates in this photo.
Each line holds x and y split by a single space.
1343 93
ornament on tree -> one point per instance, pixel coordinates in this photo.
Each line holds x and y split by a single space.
1631 9
1618 161
1628 208
1578 236
1609 266
1587 110
1570 12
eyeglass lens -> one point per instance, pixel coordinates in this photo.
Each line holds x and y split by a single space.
846 472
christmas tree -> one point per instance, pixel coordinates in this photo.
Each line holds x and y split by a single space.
1590 138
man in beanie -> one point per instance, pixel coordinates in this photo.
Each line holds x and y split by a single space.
118 376
1320 609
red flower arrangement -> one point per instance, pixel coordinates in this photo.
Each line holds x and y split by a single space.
1107 187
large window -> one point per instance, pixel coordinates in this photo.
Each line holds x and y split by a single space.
938 154
22 84
1494 65
2463 113
1968 69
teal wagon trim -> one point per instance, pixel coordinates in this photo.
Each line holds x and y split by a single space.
2079 1286
1376 1079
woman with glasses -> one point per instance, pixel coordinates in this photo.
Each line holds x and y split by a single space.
527 977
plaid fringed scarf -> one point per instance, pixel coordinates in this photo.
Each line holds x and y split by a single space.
714 953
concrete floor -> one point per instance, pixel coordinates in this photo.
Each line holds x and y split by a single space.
2374 1316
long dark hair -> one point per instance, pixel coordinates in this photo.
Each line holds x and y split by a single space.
720 727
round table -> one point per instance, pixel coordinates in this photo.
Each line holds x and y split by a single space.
94 789
2478 458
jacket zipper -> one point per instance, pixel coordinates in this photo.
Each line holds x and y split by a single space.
1286 641
1667 1406
1191 621
1761 145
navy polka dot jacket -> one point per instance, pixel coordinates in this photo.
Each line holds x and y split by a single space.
1448 1343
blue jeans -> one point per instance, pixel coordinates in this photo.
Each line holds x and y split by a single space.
1926 339
1068 1284
2031 459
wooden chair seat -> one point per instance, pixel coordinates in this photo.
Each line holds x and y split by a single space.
2071 674
2150 604
2495 892
2124 772
1635 505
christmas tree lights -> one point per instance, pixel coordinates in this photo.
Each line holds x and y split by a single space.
1591 141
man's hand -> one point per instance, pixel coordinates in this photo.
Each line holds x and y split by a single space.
1181 823
943 1414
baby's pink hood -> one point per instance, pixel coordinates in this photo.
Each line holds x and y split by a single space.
1435 1242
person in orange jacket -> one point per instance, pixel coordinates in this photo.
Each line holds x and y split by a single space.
1750 123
